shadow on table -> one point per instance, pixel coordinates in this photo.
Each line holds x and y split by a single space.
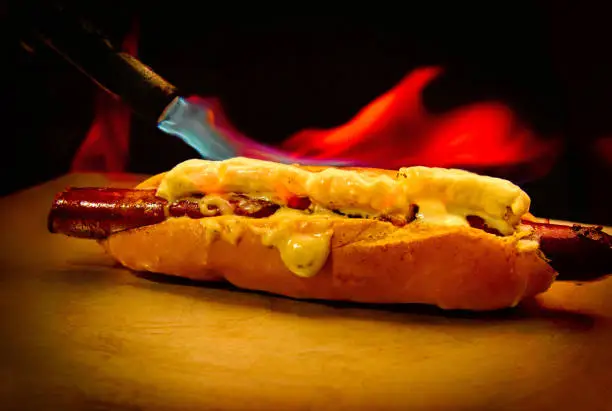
528 311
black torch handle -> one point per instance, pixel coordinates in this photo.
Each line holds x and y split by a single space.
79 42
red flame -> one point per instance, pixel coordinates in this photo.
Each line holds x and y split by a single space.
106 145
603 149
395 130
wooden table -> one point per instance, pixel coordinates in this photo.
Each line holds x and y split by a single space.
80 333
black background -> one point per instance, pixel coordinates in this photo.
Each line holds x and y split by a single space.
549 61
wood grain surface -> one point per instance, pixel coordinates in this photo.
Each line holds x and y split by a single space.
80 333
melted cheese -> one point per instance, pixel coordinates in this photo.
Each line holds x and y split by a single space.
444 196
303 254
215 201
303 245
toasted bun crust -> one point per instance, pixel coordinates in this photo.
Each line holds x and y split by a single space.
370 261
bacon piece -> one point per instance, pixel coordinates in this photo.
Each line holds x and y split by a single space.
252 207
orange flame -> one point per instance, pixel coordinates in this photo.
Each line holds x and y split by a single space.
395 130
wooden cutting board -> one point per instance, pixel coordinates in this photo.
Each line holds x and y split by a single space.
80 333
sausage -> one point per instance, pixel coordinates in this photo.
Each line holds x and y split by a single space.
99 212
577 253
190 209
479 223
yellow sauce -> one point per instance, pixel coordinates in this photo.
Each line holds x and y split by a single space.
303 254
444 197
215 201
304 246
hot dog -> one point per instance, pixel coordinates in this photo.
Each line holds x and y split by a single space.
418 235
99 212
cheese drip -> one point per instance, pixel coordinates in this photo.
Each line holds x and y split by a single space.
444 196
304 245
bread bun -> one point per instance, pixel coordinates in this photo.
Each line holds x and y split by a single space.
369 261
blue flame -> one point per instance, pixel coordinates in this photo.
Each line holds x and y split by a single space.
191 123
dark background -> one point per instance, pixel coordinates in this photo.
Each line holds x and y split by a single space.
549 61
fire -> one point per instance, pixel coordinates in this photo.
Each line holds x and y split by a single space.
603 148
395 130
106 145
